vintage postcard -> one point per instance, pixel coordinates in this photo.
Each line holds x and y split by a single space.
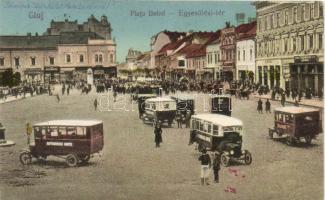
161 100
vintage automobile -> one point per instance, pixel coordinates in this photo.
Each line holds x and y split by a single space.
74 140
294 122
159 109
221 104
141 102
184 103
219 133
156 90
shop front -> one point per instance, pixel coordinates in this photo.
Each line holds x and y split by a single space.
307 72
51 74
33 75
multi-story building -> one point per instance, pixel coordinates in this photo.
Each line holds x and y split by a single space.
58 57
245 51
213 57
228 54
289 40
102 27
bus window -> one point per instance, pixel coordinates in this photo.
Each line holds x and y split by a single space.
53 132
209 128
71 131
201 126
43 131
62 131
288 118
81 131
215 130
37 132
197 124
153 106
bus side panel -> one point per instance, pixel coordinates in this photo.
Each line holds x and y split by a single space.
96 139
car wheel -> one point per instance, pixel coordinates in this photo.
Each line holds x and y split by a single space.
308 139
84 158
248 157
225 160
290 141
25 158
72 160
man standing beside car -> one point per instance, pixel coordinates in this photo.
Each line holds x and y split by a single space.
205 166
216 167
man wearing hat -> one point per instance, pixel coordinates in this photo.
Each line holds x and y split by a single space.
205 166
158 132
29 130
216 167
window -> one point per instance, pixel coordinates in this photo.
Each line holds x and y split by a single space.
302 43
96 58
209 128
2 61
100 59
215 57
81 131
303 13
286 16
17 61
71 131
201 126
271 21
62 131
238 55
311 41
251 54
32 61
294 44
285 45
81 58
112 58
277 18
294 15
68 58
320 40
243 55
53 132
181 63
312 10
215 130
320 9
51 60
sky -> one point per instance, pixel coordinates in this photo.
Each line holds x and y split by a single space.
129 30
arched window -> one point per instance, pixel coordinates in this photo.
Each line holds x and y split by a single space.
100 58
81 58
68 58
96 58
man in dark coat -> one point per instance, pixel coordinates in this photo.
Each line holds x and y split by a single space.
267 106
158 132
260 106
216 167
95 104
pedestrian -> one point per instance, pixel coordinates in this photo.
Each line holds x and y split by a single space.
58 98
178 119
115 94
187 119
29 130
216 167
95 104
158 132
68 90
205 166
260 106
267 106
283 98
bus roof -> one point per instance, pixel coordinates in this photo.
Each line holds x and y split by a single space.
160 99
183 97
295 109
69 123
220 95
147 95
222 120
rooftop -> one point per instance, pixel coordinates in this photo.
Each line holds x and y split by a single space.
295 109
69 123
222 120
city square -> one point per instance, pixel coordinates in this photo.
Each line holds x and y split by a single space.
130 167
161 100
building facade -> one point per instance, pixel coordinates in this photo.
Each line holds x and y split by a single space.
53 58
228 53
245 52
289 40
